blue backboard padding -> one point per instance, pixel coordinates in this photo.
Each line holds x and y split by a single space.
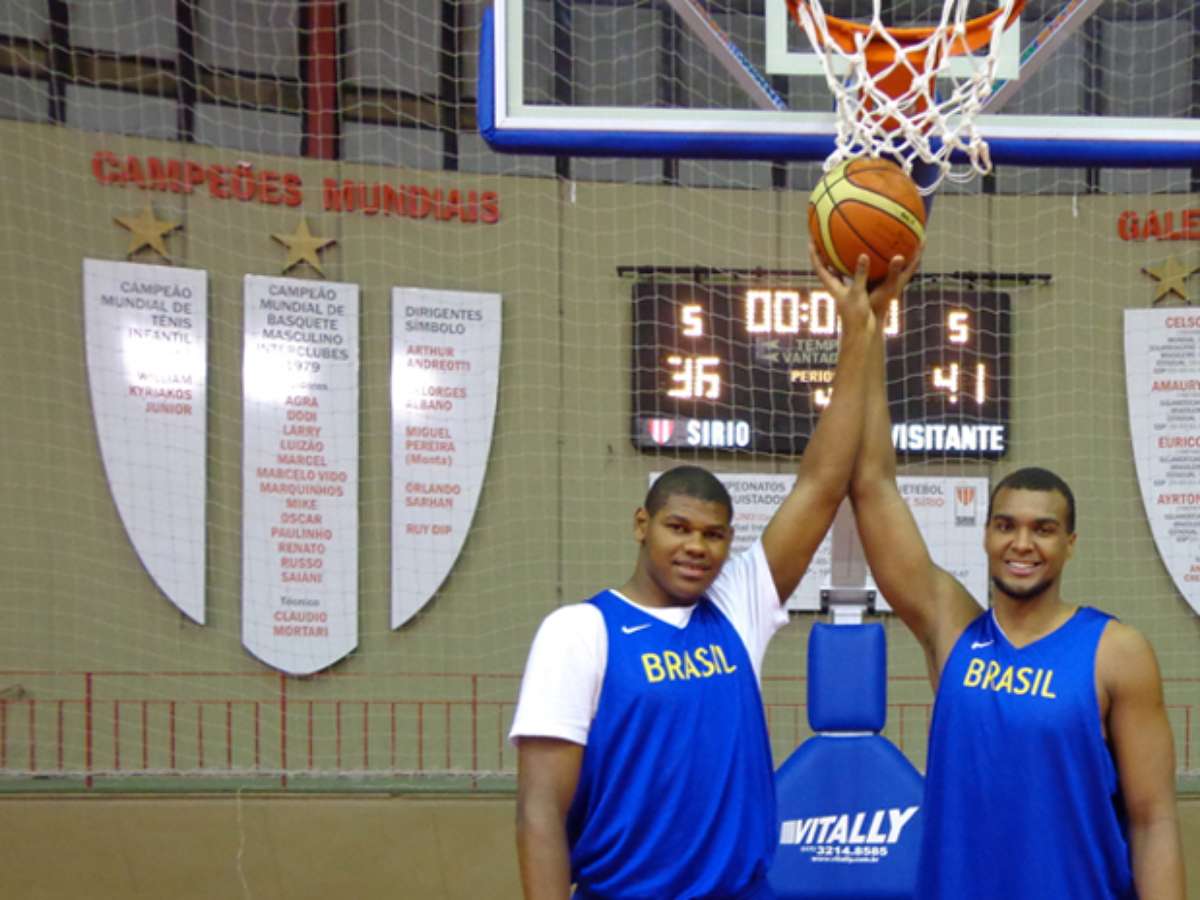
847 677
861 778
1023 151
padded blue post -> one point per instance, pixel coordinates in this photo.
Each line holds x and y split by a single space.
849 801
847 678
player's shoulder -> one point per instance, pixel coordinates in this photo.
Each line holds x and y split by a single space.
1125 656
742 577
1121 638
574 620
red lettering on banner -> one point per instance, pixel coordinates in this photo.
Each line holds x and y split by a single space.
1176 384
411 201
242 182
425 459
1159 225
1178 499
1180 442
104 167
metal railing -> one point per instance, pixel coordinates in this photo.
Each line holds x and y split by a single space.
91 726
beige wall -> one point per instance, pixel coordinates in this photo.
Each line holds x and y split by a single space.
401 848
562 483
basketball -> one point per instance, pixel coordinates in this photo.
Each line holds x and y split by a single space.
866 206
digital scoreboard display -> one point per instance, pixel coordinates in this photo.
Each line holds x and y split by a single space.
748 369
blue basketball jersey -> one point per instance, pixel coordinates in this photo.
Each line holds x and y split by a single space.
1022 799
676 798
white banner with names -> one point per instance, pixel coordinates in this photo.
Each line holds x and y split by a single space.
300 389
146 330
1162 379
951 513
445 385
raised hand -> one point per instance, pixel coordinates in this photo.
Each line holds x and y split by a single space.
853 306
899 273
852 297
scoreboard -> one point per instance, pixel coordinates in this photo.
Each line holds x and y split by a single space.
748 368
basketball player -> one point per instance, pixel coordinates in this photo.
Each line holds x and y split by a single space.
644 769
1051 763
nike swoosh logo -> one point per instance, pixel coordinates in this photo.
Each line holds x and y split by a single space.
975 645
630 629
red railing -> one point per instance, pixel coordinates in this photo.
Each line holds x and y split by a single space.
89 725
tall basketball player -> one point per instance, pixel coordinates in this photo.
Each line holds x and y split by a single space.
1051 763
644 769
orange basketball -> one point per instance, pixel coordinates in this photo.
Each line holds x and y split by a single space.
866 206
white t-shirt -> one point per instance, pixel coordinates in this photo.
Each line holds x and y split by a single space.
561 686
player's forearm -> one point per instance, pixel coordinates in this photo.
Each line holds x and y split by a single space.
875 463
893 545
1158 858
543 856
829 458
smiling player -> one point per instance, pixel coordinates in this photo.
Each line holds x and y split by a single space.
1051 763
644 769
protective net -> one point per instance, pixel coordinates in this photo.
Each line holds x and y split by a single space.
258 159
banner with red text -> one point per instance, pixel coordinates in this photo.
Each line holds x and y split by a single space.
146 331
1162 380
951 513
445 384
300 472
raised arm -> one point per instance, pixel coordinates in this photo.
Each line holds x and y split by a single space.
548 771
1140 736
930 601
798 526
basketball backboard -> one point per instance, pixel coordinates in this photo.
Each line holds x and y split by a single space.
1076 86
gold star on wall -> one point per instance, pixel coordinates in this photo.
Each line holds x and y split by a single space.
146 231
1170 276
303 246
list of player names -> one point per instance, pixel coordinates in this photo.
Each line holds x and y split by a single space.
1162 367
300 472
445 371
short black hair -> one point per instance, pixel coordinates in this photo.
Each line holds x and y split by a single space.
691 481
1033 478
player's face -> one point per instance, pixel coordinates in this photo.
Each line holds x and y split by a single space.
684 545
1027 542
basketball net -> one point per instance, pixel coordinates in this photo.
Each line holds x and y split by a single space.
897 96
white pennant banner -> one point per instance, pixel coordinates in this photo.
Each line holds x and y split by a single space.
445 384
300 472
1162 380
146 338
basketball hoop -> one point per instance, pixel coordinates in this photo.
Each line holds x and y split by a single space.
885 82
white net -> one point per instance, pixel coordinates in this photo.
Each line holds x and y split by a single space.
234 132
901 99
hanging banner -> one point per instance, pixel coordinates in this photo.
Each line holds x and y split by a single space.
445 384
1162 380
951 513
300 472
146 343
